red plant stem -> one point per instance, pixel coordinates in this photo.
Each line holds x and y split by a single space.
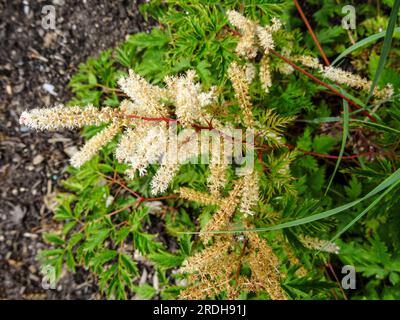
122 209
172 196
329 265
138 196
305 20
120 183
289 146
351 102
314 37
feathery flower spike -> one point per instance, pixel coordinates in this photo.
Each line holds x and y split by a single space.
92 146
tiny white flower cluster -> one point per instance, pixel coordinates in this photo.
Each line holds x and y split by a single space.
142 145
179 150
253 37
345 77
62 117
250 73
265 74
150 142
148 137
251 32
93 146
319 244
357 82
246 46
265 34
188 97
249 193
147 99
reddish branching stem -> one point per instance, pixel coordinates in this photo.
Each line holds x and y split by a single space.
329 265
315 79
139 197
321 50
311 31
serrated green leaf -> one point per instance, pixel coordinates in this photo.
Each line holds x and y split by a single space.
166 260
75 239
129 264
53 238
68 226
145 291
102 257
70 261
95 239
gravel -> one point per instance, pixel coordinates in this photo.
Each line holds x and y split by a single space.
35 66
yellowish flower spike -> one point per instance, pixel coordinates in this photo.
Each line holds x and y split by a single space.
213 269
197 196
221 218
237 75
62 117
145 120
345 77
250 193
147 98
217 178
93 146
246 46
218 168
189 98
319 244
264 266
265 74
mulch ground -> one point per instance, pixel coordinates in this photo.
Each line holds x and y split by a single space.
35 67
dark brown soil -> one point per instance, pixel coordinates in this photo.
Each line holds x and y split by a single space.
35 67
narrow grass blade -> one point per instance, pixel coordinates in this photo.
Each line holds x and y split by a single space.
373 204
362 43
376 126
346 118
363 106
387 44
321 120
394 178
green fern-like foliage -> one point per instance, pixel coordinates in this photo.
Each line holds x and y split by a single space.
104 228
